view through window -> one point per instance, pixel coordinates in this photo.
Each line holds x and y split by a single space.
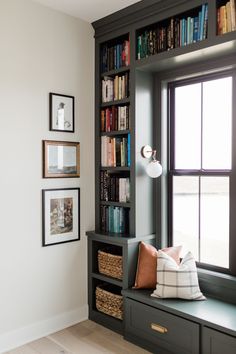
200 167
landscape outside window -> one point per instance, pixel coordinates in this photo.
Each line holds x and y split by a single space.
200 167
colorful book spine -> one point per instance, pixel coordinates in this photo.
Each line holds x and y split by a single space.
115 56
180 31
128 151
114 219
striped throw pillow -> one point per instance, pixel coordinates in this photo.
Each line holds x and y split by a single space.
177 281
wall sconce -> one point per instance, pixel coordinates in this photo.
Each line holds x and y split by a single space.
154 168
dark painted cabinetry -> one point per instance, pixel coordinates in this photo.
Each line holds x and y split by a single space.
173 326
137 24
163 331
215 342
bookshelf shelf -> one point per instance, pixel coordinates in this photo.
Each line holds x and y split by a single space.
115 169
116 71
116 204
115 103
116 133
107 279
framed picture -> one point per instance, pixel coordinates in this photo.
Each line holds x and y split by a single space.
61 159
61 215
61 111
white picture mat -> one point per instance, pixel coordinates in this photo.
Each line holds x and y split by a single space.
68 111
61 156
50 239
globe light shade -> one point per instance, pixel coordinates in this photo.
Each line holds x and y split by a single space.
154 169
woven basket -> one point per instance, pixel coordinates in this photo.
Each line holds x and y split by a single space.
109 301
110 262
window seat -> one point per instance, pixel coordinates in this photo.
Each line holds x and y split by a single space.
174 326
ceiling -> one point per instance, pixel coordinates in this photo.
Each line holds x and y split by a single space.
88 10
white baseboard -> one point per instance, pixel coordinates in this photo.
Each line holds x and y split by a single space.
21 336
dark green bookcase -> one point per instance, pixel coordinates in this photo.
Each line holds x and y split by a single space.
145 218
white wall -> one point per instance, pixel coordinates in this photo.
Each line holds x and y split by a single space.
42 289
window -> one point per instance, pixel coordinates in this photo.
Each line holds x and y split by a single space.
201 176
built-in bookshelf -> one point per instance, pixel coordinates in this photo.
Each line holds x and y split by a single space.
226 16
115 159
132 49
177 31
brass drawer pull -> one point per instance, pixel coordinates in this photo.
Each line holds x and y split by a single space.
158 328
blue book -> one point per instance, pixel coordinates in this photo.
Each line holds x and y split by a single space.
116 219
109 219
121 49
199 25
195 29
112 219
128 151
118 56
115 57
202 21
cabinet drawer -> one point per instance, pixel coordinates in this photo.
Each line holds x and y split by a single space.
215 342
169 333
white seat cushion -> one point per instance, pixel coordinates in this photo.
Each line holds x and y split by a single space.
177 281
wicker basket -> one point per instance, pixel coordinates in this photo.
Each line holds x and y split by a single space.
110 262
109 300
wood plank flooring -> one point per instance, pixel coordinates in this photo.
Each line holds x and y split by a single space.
84 338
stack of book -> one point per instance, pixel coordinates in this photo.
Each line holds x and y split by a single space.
114 188
178 32
114 219
116 88
115 57
226 17
115 118
115 152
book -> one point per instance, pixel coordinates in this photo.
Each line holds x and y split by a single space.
115 56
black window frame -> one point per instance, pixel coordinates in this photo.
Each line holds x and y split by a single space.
179 172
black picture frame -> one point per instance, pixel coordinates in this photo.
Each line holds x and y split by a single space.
61 113
60 216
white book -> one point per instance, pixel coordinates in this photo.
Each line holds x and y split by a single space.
123 87
233 14
122 198
120 88
127 189
103 91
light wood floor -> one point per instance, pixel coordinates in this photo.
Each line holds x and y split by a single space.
84 338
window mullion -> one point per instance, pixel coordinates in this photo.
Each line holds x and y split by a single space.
199 218
199 181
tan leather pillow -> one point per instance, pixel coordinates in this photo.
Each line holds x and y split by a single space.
146 274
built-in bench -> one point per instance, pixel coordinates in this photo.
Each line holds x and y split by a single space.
175 326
